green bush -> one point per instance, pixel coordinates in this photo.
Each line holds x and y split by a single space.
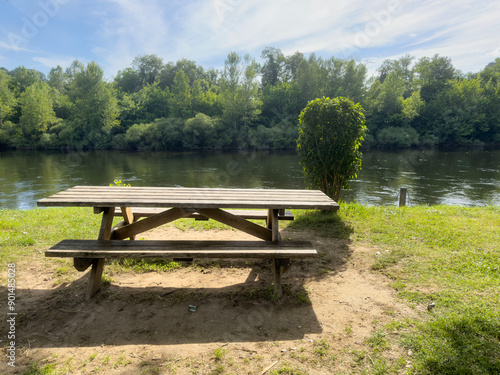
330 133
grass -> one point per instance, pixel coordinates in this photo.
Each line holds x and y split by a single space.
144 265
219 354
441 254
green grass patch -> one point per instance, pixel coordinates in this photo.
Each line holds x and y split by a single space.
458 342
34 368
378 341
146 265
445 255
219 354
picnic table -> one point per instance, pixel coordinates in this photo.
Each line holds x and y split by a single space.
145 208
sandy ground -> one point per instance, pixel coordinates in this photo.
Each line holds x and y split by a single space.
141 323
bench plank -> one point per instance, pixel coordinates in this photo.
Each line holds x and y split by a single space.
96 251
181 249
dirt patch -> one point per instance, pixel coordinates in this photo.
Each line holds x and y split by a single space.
141 323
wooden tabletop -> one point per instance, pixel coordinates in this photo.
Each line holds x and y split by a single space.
120 196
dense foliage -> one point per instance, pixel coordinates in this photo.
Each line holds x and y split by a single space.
158 105
330 133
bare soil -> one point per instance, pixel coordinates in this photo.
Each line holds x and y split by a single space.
141 323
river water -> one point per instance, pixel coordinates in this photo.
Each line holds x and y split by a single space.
468 178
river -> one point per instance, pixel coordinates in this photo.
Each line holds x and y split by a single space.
467 178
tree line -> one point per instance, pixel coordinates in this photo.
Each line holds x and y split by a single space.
162 106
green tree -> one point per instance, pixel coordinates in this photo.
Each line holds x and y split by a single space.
433 75
181 96
95 109
462 117
70 73
404 69
490 81
189 67
353 83
239 92
148 67
330 133
412 107
23 77
128 80
308 81
8 100
150 103
205 98
37 112
291 65
384 102
281 101
57 79
272 69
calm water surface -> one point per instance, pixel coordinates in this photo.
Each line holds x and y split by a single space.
470 178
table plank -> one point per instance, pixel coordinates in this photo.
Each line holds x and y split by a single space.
117 196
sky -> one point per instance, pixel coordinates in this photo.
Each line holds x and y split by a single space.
41 34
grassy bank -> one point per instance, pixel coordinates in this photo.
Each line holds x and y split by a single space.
442 260
442 257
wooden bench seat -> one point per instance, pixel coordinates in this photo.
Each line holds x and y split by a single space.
140 212
180 249
89 252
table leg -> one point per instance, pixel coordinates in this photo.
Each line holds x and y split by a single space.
279 265
273 224
279 268
98 264
95 277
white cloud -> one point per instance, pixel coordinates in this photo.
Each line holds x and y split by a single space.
465 34
13 47
495 53
52 62
289 25
466 31
130 28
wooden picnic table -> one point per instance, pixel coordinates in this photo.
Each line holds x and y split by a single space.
145 208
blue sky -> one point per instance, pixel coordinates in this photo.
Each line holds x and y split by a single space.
42 34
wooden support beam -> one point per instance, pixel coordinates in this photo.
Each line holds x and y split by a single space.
119 225
237 222
150 223
128 217
140 212
106 223
127 214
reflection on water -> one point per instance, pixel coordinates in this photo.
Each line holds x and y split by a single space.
431 176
